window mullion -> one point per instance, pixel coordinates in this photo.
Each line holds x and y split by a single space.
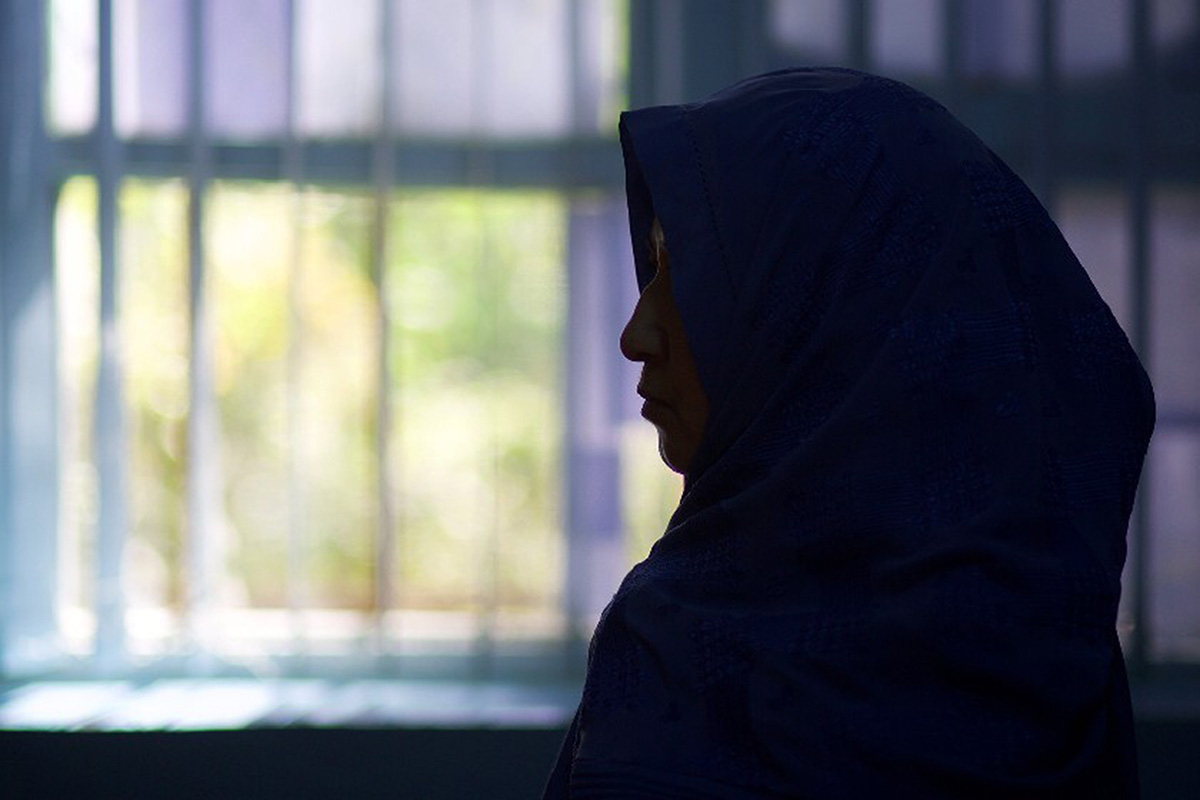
1140 147
383 173
298 590
669 49
29 381
953 30
480 171
1045 145
858 33
203 548
109 428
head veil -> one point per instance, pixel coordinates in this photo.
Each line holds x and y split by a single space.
895 567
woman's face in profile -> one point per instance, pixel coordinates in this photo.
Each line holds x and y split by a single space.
675 400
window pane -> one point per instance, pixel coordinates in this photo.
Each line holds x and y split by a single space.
649 489
151 67
434 64
907 36
1001 39
246 64
1094 37
1174 24
815 29
318 420
484 67
604 39
525 71
503 67
1095 222
523 274
338 48
1174 572
478 303
77 276
1175 290
74 68
248 243
154 333
335 399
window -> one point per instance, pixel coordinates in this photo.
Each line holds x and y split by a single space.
309 308
320 400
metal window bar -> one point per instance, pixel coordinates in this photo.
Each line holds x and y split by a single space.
28 379
293 173
858 34
425 162
480 169
383 172
668 51
752 55
952 53
1045 146
581 99
1140 90
204 552
109 427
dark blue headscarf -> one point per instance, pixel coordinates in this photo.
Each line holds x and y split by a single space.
895 567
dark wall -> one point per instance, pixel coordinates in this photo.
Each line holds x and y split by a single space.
394 763
1169 759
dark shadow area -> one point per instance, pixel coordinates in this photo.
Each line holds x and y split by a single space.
269 763
419 763
1169 753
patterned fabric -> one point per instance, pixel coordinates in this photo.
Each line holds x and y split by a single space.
895 567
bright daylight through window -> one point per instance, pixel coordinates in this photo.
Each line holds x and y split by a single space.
340 277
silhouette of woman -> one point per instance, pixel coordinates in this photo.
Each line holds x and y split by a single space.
910 431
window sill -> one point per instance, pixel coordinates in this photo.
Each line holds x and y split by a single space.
237 703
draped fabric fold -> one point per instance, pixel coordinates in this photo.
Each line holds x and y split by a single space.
895 567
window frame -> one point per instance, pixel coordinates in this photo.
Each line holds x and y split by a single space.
677 50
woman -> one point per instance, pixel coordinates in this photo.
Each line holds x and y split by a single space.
910 432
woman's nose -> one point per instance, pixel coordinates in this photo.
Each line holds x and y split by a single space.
643 339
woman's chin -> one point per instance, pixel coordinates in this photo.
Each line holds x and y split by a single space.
669 453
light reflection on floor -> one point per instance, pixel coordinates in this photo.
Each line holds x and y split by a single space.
223 704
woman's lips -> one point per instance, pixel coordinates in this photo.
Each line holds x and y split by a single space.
654 409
